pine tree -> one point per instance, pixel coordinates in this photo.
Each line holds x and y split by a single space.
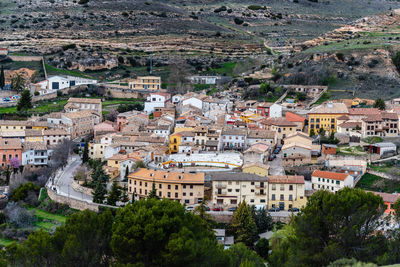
114 195
99 193
85 155
25 102
124 195
2 78
243 225
153 192
126 173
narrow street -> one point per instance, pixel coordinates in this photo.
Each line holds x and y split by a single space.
275 166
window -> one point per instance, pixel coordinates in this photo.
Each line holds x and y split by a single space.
273 187
160 186
169 194
176 195
273 196
282 187
290 187
176 187
191 194
169 186
229 190
252 183
262 200
282 197
237 190
290 197
145 184
252 200
338 182
184 194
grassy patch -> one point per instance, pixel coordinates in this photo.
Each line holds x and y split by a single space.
372 139
225 70
376 183
44 215
6 242
324 97
45 225
55 71
199 87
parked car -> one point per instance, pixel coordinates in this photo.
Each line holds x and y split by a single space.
274 209
189 208
294 209
218 209
232 209
271 157
278 149
6 99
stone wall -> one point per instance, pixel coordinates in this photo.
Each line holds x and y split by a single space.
44 97
73 203
25 58
124 93
79 188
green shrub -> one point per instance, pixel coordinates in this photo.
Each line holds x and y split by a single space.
69 46
340 56
21 192
255 7
83 2
238 21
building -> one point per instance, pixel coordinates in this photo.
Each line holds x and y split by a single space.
265 136
331 181
309 90
382 149
80 123
256 168
229 189
296 119
286 192
156 100
61 82
104 128
10 148
383 124
145 83
35 154
176 139
204 79
222 239
295 154
33 135
55 136
325 117
125 117
281 126
328 149
3 51
270 110
233 139
187 188
83 104
258 152
12 126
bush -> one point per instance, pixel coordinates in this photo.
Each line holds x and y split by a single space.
255 7
220 9
340 56
21 192
36 93
238 21
18 216
83 2
69 46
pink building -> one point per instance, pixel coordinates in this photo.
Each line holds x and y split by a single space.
104 128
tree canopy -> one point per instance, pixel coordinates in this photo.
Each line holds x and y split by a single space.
25 101
244 226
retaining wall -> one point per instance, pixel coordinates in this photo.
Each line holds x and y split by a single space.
73 203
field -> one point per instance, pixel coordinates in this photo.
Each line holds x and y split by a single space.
372 182
55 71
351 150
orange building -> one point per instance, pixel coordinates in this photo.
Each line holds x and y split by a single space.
10 148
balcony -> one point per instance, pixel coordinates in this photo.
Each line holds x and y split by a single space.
260 186
260 193
221 186
222 193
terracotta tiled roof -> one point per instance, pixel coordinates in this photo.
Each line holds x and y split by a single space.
293 117
343 118
261 134
286 179
330 175
363 111
10 143
350 124
278 122
84 100
301 134
330 108
389 198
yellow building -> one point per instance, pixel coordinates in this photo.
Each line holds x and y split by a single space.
96 151
286 192
33 135
145 83
281 126
247 115
176 139
325 117
256 168
187 188
11 126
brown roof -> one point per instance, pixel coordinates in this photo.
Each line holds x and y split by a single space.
261 134
55 132
330 108
13 123
278 122
257 164
350 124
304 135
167 176
31 132
10 143
34 146
343 118
293 117
363 111
286 179
236 131
388 198
330 175
84 100
79 114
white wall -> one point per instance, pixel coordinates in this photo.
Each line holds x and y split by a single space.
275 111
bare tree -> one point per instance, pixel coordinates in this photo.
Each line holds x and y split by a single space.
61 154
112 116
18 216
178 82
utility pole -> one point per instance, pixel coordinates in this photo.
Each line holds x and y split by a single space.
151 63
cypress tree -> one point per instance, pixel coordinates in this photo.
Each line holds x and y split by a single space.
2 78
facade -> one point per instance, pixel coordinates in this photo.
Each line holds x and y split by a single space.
229 189
233 139
156 100
124 118
145 83
204 79
295 154
325 117
187 188
309 90
10 148
285 192
35 154
328 149
176 139
83 104
331 181
385 124
256 168
61 82
296 119
382 148
55 136
33 135
281 126
265 136
81 122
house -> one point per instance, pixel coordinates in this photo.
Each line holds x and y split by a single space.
325 116
55 136
331 181
350 128
328 149
257 152
3 51
33 135
382 149
83 104
176 139
156 100
309 90
270 110
384 124
233 139
104 128
80 122
125 117
9 149
12 126
35 154
296 119
121 160
265 136
222 239
61 82
204 79
185 187
256 168
286 192
193 100
176 99
281 126
231 188
247 115
389 200
200 136
145 83
296 153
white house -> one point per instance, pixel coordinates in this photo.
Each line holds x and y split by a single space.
156 100
233 139
61 82
204 79
35 153
123 165
193 101
332 181
176 99
275 111
111 150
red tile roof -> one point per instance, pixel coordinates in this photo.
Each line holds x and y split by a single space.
330 175
286 179
293 117
364 111
388 198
